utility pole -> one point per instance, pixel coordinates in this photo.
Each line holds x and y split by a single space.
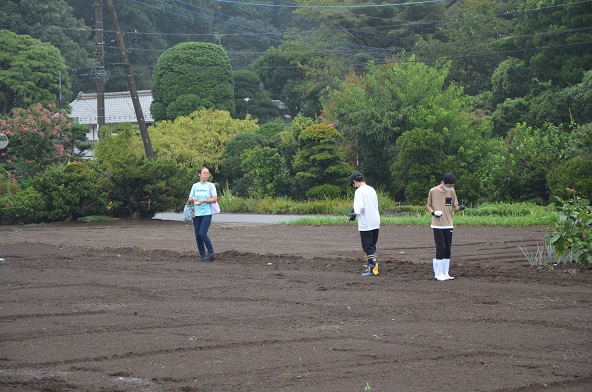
100 64
218 36
60 92
131 84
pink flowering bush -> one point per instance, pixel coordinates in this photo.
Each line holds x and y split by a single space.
38 137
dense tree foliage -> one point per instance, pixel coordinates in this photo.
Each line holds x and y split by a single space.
375 109
149 28
195 140
251 100
54 22
246 30
139 186
560 33
265 172
29 72
298 77
497 92
72 191
232 168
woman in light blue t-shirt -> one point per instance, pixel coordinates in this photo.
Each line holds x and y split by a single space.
203 194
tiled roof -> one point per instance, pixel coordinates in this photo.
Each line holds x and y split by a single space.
118 107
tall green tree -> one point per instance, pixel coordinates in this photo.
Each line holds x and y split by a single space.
29 72
517 168
554 105
374 33
54 22
266 172
251 100
299 75
373 110
232 168
419 163
246 31
191 76
473 34
558 38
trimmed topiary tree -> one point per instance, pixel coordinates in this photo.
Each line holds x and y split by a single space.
319 162
190 76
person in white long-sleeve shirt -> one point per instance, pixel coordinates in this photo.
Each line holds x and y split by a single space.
366 210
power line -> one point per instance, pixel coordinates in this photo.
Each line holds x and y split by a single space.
443 21
314 40
279 32
330 6
422 60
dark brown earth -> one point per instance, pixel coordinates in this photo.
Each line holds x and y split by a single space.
126 306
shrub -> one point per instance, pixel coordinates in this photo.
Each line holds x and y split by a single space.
266 169
8 186
272 129
71 191
27 206
573 231
231 166
145 187
326 191
319 160
572 176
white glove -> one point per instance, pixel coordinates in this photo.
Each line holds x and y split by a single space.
437 214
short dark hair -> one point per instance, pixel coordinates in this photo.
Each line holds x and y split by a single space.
449 178
356 177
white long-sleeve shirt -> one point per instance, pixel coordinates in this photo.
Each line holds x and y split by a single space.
366 208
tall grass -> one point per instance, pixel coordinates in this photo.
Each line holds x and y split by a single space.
425 219
545 255
335 211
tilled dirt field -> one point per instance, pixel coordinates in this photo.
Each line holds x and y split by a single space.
126 306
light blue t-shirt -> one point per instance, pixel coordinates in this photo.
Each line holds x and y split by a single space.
203 191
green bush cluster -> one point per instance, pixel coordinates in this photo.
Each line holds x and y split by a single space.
149 186
571 177
77 190
572 234
59 193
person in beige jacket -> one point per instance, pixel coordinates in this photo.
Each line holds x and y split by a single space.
441 203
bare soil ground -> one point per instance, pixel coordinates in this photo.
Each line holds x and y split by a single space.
126 306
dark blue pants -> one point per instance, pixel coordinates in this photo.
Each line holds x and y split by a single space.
443 240
201 225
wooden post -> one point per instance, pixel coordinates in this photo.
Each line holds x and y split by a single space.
100 64
131 84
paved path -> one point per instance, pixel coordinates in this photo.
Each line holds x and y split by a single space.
237 218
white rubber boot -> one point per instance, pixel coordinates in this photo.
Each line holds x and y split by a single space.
446 264
438 269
